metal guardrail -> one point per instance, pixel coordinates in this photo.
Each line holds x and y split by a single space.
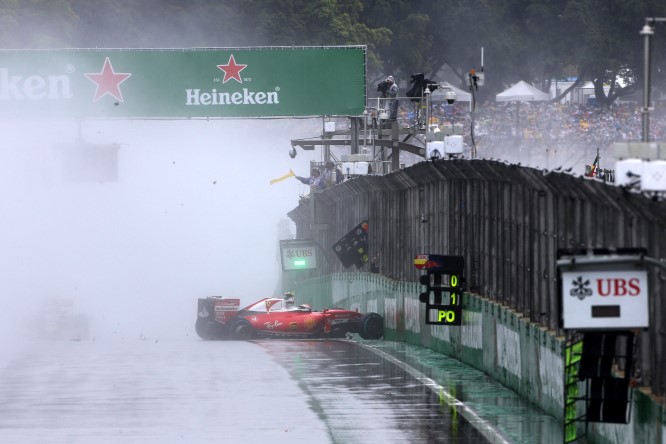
507 221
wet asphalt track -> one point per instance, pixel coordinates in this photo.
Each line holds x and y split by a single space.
192 391
364 397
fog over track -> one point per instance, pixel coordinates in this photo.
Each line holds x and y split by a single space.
192 214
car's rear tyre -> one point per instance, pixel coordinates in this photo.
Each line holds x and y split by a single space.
242 330
371 326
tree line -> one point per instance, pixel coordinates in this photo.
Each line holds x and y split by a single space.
538 41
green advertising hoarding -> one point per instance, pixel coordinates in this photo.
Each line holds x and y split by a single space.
183 83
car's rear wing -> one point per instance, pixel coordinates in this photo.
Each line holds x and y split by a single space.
222 309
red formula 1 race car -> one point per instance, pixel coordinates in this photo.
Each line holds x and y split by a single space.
221 318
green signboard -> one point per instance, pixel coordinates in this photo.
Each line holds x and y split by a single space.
183 83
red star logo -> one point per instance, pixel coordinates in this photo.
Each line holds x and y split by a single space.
231 70
108 81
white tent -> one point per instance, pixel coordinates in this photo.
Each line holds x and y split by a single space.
522 92
461 96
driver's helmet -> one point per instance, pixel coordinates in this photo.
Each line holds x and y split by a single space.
289 299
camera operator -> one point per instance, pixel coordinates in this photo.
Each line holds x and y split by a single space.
392 96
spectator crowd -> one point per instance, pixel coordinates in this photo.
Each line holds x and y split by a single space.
556 127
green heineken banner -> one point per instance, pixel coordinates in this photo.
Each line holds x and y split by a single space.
187 83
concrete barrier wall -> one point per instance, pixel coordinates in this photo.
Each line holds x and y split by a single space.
507 222
520 354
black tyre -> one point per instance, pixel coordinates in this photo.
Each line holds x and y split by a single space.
371 326
242 330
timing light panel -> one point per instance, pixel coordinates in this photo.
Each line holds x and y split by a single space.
443 281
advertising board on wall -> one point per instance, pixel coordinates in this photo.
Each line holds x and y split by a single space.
605 299
183 83
298 255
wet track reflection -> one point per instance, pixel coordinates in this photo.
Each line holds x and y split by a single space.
362 397
278 391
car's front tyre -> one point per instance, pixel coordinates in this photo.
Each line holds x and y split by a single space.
371 326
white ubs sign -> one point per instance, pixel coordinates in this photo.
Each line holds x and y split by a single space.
298 255
605 299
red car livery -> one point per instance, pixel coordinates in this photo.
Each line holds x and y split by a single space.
221 318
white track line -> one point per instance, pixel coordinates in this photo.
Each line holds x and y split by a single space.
489 431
